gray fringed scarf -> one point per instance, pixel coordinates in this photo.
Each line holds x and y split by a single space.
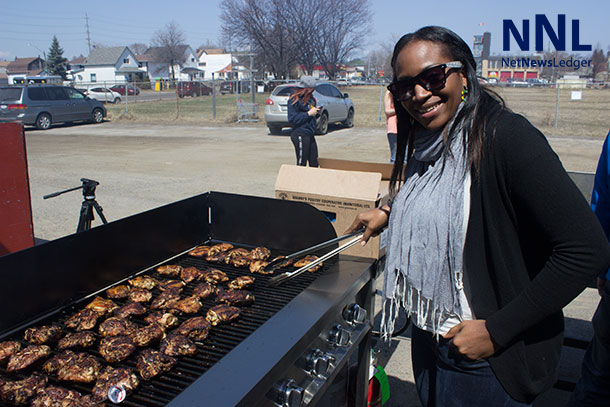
426 234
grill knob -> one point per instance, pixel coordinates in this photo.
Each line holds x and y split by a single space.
339 336
355 314
290 394
318 362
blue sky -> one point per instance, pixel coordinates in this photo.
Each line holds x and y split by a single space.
26 30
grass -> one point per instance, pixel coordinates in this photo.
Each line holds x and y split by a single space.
589 117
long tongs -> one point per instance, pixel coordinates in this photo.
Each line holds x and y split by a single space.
282 278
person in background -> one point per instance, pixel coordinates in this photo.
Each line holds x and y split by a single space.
390 117
302 113
593 388
488 237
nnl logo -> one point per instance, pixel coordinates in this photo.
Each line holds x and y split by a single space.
542 24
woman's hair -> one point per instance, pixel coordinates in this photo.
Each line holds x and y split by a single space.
480 105
302 94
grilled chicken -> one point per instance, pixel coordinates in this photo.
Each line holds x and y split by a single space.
43 334
140 295
152 362
114 377
54 396
241 282
218 248
235 297
145 282
148 334
166 299
83 339
196 328
27 357
218 258
177 345
131 308
7 349
20 392
116 348
169 284
188 305
259 253
169 270
115 326
214 276
167 320
189 274
83 320
306 260
285 263
240 262
237 257
240 252
258 266
117 292
83 368
102 306
222 314
203 290
58 361
200 251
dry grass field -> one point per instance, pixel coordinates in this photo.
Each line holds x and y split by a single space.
589 117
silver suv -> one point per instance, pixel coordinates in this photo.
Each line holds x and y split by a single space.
336 107
42 105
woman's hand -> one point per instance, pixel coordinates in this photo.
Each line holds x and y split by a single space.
313 111
374 220
471 339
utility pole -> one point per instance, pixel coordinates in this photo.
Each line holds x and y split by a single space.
88 35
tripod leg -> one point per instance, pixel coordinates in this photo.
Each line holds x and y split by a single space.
99 210
86 216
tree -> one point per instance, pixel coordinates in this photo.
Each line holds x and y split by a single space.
599 62
138 48
56 63
170 41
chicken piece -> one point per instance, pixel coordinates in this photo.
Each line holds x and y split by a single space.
117 292
218 248
170 284
83 368
218 258
306 260
189 274
259 253
113 377
102 306
83 320
196 328
20 392
258 266
233 255
285 263
177 345
131 308
43 334
235 297
54 396
83 339
58 361
166 299
215 276
240 262
165 319
169 270
116 348
89 400
147 335
200 251
140 295
27 357
203 290
241 282
7 349
222 314
115 326
145 282
188 305
152 362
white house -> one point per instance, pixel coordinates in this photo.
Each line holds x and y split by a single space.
186 69
109 65
215 61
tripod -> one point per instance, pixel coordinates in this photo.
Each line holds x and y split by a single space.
88 205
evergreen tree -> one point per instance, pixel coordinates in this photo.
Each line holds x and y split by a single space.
56 63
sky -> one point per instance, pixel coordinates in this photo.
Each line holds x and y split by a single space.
26 29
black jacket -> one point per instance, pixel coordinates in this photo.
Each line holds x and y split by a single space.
302 123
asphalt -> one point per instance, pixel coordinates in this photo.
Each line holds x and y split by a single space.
141 166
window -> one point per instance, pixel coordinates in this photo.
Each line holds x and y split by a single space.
334 92
93 77
74 94
37 94
324 90
56 93
126 60
192 59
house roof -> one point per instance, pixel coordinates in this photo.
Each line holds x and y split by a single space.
4 64
104 56
77 61
155 54
226 69
214 51
20 65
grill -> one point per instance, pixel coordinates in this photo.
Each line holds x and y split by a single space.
291 347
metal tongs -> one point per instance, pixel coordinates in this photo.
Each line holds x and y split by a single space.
282 278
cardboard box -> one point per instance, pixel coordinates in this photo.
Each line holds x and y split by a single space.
341 189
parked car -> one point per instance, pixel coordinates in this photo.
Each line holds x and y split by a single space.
192 88
104 95
228 87
121 89
42 105
518 83
336 107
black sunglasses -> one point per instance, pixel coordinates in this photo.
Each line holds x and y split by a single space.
433 78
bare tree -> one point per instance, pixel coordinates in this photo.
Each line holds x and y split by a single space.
170 41
138 48
302 17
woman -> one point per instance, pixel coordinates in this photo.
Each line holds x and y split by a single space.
390 117
302 113
488 237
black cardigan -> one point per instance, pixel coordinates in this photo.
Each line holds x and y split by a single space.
532 245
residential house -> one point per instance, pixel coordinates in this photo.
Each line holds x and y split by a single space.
75 67
110 65
23 67
3 75
158 67
215 61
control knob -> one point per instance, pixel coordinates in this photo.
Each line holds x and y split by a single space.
318 363
290 394
339 336
354 314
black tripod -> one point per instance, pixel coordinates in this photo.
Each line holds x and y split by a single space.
89 203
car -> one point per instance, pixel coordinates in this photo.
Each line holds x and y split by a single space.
43 105
121 89
518 83
104 95
228 87
336 107
192 88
